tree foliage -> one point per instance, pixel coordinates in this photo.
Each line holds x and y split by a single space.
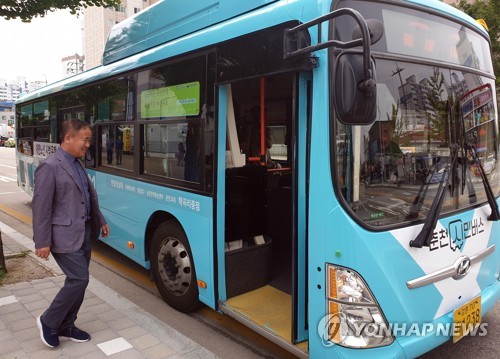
437 119
26 10
489 10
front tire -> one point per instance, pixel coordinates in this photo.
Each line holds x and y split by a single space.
173 267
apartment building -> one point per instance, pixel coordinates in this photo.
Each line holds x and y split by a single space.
98 21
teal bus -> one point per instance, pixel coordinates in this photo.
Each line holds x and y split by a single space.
322 171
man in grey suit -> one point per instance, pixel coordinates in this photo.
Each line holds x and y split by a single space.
66 217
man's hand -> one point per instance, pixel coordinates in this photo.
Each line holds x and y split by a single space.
105 231
43 252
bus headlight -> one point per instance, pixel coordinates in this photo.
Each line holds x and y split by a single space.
355 319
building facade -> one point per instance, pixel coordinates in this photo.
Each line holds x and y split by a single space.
98 21
11 90
72 65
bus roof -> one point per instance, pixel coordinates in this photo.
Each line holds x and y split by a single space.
178 28
217 33
168 20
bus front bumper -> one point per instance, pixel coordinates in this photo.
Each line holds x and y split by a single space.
412 346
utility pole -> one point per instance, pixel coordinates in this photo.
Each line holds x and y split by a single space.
398 72
3 267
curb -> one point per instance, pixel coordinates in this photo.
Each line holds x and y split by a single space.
49 264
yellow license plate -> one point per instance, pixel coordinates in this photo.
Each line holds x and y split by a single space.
466 318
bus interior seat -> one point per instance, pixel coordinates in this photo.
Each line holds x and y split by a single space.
245 202
247 268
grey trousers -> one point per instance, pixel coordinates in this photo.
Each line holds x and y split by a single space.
63 310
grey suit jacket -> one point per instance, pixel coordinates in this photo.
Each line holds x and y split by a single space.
59 212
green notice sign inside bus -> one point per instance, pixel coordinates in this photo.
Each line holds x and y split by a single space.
171 101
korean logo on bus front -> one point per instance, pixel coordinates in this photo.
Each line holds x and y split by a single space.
457 233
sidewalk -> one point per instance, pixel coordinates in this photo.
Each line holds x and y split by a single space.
119 328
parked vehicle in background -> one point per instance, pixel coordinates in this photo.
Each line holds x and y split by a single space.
6 131
490 164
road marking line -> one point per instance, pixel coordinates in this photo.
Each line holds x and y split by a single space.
123 270
7 179
13 213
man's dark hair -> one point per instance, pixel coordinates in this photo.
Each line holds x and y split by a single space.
70 127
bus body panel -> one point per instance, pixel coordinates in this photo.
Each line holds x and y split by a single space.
322 200
384 262
182 20
221 194
392 351
387 266
26 165
383 258
416 345
25 172
465 233
128 206
381 254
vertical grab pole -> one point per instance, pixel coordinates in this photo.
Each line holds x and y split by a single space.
262 119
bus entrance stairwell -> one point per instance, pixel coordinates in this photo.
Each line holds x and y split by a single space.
260 201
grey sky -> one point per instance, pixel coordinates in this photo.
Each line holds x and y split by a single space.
34 50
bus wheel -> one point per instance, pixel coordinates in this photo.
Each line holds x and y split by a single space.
173 268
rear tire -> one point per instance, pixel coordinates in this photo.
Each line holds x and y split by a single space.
173 267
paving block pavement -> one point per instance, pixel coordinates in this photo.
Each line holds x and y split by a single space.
119 328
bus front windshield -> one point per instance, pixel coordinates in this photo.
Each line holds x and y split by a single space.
436 124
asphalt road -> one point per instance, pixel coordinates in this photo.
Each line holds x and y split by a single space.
218 333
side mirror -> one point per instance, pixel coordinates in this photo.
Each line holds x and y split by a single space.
354 95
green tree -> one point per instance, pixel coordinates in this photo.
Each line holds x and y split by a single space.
489 11
28 9
437 119
400 135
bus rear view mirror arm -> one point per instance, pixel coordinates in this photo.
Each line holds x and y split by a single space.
366 33
354 74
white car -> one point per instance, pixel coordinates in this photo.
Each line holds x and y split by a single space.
437 177
489 164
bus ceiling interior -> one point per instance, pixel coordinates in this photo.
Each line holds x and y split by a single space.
258 219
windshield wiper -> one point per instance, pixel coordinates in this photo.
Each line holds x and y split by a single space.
422 193
495 214
425 235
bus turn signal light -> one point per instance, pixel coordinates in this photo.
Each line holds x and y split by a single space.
131 245
350 304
